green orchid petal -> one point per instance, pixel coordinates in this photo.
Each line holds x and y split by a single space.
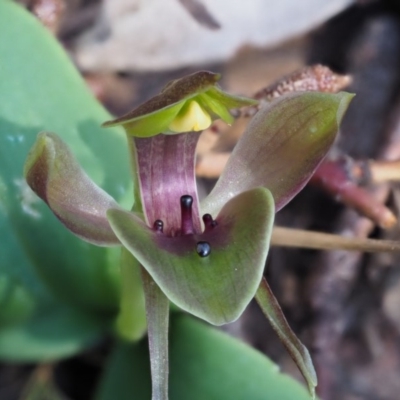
215 108
218 287
281 147
220 102
151 124
165 113
55 176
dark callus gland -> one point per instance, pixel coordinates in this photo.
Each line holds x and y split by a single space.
186 215
158 226
209 222
203 249
186 202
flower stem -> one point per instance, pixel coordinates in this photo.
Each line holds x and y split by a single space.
157 312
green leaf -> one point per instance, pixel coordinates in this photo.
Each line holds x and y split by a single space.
217 287
41 90
52 332
16 303
204 364
281 147
126 373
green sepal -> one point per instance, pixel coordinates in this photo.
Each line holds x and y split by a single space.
54 174
281 147
215 108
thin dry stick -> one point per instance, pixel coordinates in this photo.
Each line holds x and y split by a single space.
384 171
372 171
289 237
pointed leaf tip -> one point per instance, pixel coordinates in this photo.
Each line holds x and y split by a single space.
54 175
281 147
344 99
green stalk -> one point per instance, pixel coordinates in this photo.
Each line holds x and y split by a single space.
157 312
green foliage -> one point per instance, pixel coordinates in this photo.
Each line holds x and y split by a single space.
204 364
63 276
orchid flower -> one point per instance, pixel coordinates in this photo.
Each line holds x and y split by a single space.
206 257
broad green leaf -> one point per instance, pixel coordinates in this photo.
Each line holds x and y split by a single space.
126 373
204 364
16 302
216 287
54 331
41 90
281 147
